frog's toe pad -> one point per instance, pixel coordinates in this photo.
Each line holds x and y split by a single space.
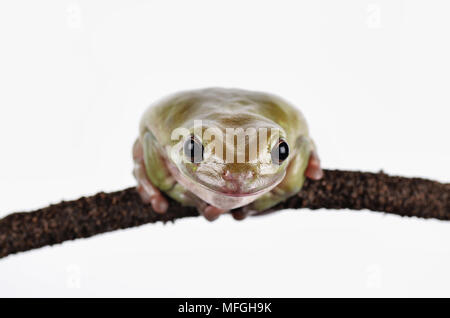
159 203
313 170
211 213
239 215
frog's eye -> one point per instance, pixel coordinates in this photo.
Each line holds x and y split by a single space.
193 150
280 152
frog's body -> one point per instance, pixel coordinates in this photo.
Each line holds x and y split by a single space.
214 183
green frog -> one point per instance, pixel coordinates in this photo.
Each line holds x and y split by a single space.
223 150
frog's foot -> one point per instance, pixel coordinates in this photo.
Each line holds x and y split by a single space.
313 170
147 191
240 214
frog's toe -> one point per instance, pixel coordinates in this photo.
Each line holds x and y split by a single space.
145 197
240 214
313 170
211 213
159 203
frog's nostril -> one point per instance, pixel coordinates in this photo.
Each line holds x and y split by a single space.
229 176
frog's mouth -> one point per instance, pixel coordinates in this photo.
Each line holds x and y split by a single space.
220 199
226 194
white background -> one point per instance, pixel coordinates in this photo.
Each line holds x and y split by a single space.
372 78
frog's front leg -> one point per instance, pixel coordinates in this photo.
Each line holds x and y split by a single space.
147 190
153 176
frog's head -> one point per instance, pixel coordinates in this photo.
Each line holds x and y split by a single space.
229 166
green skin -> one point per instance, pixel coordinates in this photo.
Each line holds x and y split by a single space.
256 184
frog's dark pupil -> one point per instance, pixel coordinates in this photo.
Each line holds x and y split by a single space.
280 152
193 150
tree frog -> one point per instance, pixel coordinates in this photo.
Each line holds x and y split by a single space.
223 150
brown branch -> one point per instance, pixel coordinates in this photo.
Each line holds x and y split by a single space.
106 212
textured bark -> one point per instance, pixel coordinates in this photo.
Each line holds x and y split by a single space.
106 212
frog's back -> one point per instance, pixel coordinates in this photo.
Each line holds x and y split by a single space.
222 107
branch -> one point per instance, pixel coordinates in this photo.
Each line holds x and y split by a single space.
105 212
